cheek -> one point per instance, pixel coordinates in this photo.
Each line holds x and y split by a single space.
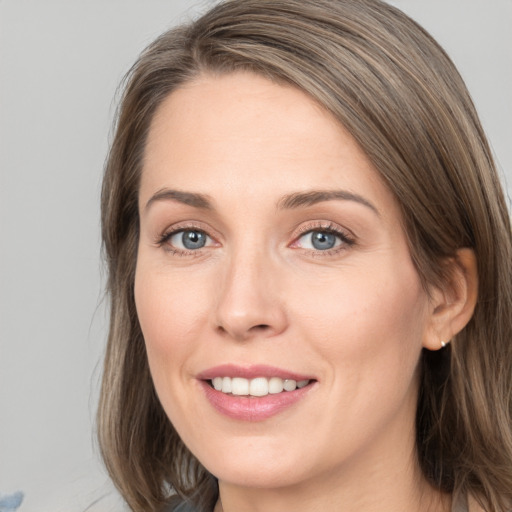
366 322
368 330
165 303
171 311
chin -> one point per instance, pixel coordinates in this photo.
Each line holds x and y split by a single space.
256 462
269 476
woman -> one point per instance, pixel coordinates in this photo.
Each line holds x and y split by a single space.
309 268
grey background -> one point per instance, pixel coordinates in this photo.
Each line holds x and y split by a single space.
60 63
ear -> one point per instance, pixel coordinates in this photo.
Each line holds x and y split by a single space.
453 303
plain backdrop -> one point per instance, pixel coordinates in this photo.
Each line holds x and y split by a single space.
60 64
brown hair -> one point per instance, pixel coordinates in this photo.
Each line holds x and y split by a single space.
391 85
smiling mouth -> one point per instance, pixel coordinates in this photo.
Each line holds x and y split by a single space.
258 387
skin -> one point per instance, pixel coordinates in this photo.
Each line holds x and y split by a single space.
355 317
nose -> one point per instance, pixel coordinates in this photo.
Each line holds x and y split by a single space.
249 299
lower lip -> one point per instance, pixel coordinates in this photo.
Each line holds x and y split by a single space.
252 408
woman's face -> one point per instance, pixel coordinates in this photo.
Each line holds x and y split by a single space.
271 253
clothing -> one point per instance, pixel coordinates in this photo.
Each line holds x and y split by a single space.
11 502
184 507
460 504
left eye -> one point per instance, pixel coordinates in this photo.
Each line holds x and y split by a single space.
189 239
320 240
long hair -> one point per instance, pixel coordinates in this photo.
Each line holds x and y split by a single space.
396 91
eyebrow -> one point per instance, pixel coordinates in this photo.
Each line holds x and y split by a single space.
287 202
189 198
304 199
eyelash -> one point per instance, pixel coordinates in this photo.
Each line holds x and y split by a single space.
347 239
163 239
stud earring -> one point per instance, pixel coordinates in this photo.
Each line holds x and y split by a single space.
444 343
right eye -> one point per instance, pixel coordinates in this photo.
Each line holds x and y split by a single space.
187 240
321 240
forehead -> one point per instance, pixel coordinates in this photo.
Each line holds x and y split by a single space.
246 135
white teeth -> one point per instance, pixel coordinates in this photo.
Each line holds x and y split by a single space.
217 383
260 386
290 384
275 385
239 386
226 385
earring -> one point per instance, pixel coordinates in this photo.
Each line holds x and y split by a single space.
444 343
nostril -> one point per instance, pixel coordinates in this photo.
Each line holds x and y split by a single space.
261 327
241 334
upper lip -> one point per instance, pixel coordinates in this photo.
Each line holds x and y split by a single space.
250 372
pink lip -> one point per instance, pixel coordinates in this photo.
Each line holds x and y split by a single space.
250 408
250 372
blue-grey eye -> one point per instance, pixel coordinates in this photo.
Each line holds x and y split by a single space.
320 240
189 239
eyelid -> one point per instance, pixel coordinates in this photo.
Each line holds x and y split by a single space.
162 238
323 225
346 236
